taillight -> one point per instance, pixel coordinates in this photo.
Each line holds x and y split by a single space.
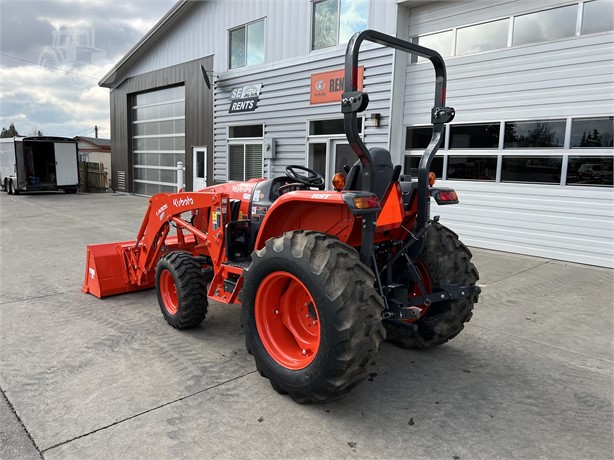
444 196
366 202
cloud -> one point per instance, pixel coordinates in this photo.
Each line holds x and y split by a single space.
65 99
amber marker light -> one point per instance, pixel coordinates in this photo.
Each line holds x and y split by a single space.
338 181
366 202
432 178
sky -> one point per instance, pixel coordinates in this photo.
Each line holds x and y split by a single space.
45 86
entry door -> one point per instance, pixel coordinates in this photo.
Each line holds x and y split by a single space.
200 168
66 170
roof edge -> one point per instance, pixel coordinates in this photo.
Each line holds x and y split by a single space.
110 79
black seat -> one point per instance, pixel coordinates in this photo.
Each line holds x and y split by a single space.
382 169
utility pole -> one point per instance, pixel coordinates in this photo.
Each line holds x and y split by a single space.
96 131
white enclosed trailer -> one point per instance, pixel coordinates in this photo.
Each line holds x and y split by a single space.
38 163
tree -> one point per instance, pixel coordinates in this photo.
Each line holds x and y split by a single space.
34 131
10 132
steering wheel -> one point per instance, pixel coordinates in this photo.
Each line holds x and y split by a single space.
312 179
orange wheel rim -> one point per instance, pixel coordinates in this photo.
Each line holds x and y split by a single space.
287 320
425 278
168 292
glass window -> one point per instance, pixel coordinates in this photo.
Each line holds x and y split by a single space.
482 168
412 162
238 132
534 134
598 16
440 42
335 21
353 18
317 158
244 161
545 25
329 127
482 37
246 45
418 137
237 48
544 170
590 171
476 136
592 132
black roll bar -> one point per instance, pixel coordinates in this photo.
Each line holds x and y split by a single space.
354 101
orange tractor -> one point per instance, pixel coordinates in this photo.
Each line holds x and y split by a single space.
322 277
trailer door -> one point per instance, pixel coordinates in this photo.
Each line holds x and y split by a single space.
66 168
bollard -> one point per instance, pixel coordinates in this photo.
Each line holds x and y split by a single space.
179 176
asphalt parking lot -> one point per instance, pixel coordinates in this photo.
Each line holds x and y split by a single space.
529 377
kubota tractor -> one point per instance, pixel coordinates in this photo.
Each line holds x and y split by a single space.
322 276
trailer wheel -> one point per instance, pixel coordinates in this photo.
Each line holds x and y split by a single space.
311 315
11 189
444 260
181 288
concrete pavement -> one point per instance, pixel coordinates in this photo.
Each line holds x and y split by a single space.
529 377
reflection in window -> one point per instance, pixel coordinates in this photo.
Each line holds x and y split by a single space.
543 170
418 137
531 134
545 25
598 16
590 171
440 42
592 132
335 21
472 167
412 162
329 127
243 131
478 136
246 45
482 37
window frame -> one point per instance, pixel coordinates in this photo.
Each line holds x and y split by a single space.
246 27
511 32
243 141
566 152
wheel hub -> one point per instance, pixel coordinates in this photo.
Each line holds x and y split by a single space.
287 320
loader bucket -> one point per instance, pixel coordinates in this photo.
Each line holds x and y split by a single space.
106 272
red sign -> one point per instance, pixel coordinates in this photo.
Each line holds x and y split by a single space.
329 86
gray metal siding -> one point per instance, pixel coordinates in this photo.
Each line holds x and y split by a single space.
558 79
198 107
204 31
284 106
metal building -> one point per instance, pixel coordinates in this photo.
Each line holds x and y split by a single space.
530 150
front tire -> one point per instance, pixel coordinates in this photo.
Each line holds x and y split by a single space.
181 288
444 260
311 315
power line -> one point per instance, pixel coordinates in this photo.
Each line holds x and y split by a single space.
48 67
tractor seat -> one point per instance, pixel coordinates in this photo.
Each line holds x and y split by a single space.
382 168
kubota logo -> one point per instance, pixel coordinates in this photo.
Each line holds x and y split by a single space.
178 202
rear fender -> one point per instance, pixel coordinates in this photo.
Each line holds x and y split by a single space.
321 211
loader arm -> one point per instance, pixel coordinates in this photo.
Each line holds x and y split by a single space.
115 268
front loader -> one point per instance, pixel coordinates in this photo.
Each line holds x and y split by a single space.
322 277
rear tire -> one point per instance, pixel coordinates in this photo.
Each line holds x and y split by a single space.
9 188
181 288
447 261
311 315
